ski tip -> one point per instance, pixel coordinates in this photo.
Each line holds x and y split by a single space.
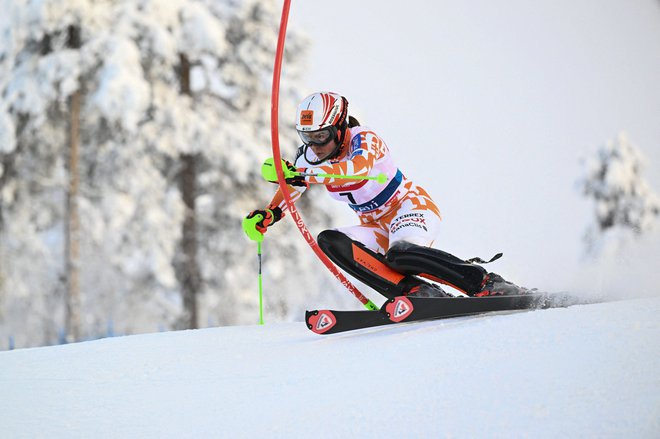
321 321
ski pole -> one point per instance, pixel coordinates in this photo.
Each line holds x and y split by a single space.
261 289
380 178
268 172
255 235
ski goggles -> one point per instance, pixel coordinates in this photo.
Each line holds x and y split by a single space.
320 137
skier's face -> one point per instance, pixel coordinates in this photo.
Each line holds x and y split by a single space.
323 151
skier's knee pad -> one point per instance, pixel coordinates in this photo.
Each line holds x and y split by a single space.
364 264
435 264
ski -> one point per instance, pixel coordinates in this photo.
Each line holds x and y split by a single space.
408 309
327 321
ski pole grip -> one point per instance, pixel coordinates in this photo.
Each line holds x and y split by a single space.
250 228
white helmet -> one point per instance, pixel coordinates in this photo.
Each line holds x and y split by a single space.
320 118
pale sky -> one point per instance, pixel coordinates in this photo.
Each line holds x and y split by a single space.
490 105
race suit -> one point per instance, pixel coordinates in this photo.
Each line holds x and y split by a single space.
390 212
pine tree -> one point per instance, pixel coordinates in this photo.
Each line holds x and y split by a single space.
623 201
40 76
141 131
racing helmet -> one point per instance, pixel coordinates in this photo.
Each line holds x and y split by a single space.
320 118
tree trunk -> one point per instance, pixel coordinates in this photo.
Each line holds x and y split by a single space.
72 246
188 270
73 321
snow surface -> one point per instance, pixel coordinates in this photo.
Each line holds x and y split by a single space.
584 371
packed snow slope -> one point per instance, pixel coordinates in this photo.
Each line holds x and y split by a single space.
583 371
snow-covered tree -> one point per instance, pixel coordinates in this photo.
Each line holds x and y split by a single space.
624 203
163 85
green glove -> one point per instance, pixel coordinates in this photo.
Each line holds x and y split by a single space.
291 176
257 222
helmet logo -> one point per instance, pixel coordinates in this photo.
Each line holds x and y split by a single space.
333 115
306 117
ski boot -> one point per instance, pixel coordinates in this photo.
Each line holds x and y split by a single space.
426 290
495 285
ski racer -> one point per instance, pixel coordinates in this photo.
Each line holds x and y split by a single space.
391 249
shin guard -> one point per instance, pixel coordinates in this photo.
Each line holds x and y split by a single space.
436 265
365 265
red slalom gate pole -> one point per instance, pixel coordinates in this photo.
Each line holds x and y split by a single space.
274 130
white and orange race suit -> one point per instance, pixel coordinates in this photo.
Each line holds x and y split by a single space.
394 211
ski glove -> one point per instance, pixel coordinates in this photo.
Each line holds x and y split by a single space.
297 180
290 173
260 220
